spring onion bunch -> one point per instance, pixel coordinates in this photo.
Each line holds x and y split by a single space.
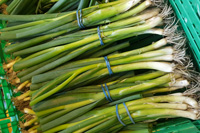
147 53
130 60
150 108
62 54
31 46
90 97
68 22
26 48
38 40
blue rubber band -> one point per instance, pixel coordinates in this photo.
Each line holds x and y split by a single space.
79 19
108 65
105 93
128 113
99 34
108 92
118 117
108 97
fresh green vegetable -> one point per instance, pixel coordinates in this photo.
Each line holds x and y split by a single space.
141 110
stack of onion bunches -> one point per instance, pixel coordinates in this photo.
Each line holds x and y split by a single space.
100 68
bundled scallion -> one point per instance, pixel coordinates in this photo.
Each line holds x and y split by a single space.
69 21
152 108
79 48
121 62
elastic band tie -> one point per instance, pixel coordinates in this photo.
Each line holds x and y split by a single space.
108 97
108 65
108 92
118 117
99 34
79 19
128 113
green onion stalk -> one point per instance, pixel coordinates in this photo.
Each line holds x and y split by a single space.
100 69
81 63
83 4
30 18
150 108
62 5
107 51
126 57
126 83
40 39
83 78
55 6
68 21
93 2
36 86
28 47
130 14
22 7
96 80
28 73
134 11
49 64
69 102
52 63
52 52
141 77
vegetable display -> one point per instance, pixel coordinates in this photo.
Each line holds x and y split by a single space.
104 66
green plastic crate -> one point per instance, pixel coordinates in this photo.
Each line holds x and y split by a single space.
8 114
178 126
188 13
10 125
